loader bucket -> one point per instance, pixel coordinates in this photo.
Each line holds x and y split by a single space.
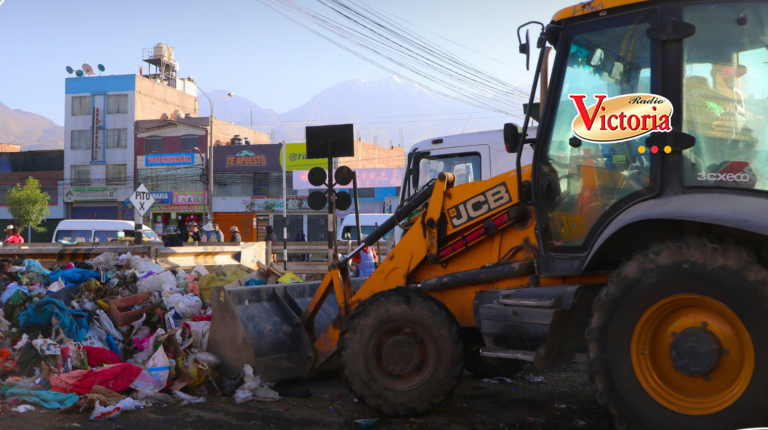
261 326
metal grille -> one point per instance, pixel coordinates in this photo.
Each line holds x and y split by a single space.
317 226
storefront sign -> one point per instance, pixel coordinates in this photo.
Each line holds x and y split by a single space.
155 160
247 158
161 198
296 158
96 147
366 178
189 197
179 160
177 208
90 194
275 204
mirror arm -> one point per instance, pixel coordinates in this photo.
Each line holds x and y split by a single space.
523 140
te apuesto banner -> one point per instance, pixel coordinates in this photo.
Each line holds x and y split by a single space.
620 118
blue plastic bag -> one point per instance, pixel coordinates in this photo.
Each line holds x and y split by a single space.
10 290
34 266
74 322
75 276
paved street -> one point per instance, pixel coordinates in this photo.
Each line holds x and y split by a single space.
475 405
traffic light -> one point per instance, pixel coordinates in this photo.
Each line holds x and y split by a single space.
318 177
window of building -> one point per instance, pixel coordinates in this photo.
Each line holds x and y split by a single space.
82 139
366 192
81 176
117 103
51 189
117 138
116 174
172 179
81 105
189 143
271 184
153 144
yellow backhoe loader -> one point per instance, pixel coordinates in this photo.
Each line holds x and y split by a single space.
647 253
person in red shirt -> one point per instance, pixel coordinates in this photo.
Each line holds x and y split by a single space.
13 235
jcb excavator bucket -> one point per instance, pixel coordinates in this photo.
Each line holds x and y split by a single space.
261 325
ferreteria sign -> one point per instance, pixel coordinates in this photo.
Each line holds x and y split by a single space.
620 118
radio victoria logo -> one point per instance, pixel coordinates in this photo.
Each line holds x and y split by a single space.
621 118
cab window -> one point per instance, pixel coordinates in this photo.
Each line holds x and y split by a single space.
349 232
74 235
580 185
466 168
725 95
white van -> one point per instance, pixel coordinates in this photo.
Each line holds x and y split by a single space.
368 223
98 230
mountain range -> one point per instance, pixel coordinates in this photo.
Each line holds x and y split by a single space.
380 110
31 130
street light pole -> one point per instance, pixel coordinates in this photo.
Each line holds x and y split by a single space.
210 151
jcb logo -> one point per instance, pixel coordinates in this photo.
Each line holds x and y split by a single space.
479 205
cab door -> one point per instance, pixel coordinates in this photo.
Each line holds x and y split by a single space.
580 185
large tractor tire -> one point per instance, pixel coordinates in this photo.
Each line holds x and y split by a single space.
483 367
401 352
675 336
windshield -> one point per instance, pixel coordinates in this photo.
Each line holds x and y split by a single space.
725 95
349 232
425 167
74 235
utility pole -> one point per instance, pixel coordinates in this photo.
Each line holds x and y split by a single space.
210 151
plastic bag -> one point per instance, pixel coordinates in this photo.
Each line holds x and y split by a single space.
187 398
103 320
23 408
200 331
219 278
154 283
253 388
289 278
35 266
10 290
95 337
147 383
151 396
208 358
56 286
159 366
106 260
189 306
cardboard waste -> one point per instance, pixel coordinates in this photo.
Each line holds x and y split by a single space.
114 334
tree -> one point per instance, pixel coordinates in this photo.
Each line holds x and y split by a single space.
28 204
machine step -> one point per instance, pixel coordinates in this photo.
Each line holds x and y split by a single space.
512 354
531 302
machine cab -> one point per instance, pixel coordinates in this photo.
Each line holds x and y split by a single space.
470 157
718 137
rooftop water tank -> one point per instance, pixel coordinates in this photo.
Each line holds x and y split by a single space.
248 141
237 140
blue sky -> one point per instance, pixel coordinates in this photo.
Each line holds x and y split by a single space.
235 45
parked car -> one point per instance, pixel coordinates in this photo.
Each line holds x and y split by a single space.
99 230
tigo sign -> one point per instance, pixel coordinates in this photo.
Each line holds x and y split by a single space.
620 118
156 160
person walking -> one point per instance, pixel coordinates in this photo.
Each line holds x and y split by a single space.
271 237
235 235
366 261
219 233
13 235
170 239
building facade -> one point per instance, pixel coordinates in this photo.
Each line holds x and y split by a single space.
99 157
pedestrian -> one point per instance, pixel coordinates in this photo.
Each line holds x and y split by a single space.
271 237
219 233
209 234
170 239
193 235
235 235
13 235
366 261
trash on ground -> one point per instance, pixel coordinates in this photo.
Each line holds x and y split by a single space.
114 334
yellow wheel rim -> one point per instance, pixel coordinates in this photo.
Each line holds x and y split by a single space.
653 365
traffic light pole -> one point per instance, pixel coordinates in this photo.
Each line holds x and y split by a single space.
357 209
331 211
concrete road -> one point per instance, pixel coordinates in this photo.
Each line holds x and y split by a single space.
564 399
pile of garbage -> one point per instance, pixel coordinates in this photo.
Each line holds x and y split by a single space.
111 335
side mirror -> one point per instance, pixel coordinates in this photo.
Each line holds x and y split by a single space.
512 137
525 48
